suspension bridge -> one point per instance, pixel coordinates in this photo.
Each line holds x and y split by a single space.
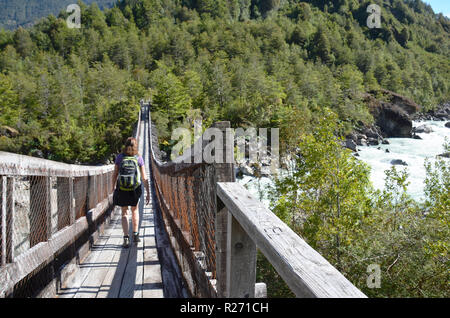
61 235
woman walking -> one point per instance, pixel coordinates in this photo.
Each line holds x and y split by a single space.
129 174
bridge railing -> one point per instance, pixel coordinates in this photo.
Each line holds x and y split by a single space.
45 208
216 228
251 226
187 197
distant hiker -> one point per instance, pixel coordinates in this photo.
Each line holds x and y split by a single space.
129 174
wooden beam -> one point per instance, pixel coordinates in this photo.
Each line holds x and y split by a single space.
241 262
307 273
3 220
224 172
20 165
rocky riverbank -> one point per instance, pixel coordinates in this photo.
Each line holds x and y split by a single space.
441 113
393 117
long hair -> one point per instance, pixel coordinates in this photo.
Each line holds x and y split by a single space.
131 147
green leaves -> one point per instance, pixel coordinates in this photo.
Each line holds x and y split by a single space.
170 95
328 190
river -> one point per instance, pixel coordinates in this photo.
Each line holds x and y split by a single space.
412 151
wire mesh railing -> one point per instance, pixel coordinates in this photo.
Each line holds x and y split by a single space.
187 196
40 200
44 208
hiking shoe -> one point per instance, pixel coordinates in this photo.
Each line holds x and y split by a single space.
136 238
126 242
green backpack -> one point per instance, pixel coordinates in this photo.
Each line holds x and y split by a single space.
129 174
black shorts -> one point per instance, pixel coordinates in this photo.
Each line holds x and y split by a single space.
127 198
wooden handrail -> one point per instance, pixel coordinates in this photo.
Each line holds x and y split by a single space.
20 165
307 273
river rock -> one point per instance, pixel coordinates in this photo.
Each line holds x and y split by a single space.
441 112
350 144
398 162
373 141
244 170
362 142
444 155
422 129
393 113
447 124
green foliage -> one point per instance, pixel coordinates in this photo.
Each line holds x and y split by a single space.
72 95
327 199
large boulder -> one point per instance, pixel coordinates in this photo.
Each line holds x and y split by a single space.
392 113
350 144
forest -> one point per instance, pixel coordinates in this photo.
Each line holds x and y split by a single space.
24 13
72 95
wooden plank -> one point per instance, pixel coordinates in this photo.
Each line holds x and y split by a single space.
224 173
3 239
139 270
152 284
241 262
306 272
221 231
105 247
20 165
110 286
74 286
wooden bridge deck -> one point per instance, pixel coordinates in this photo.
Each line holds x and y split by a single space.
146 270
111 271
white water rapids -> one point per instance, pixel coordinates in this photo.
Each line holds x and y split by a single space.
412 151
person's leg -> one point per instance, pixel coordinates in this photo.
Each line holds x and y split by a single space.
135 218
125 221
135 221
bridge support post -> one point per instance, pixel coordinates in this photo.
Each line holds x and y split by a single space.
224 172
10 213
241 261
40 211
3 223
